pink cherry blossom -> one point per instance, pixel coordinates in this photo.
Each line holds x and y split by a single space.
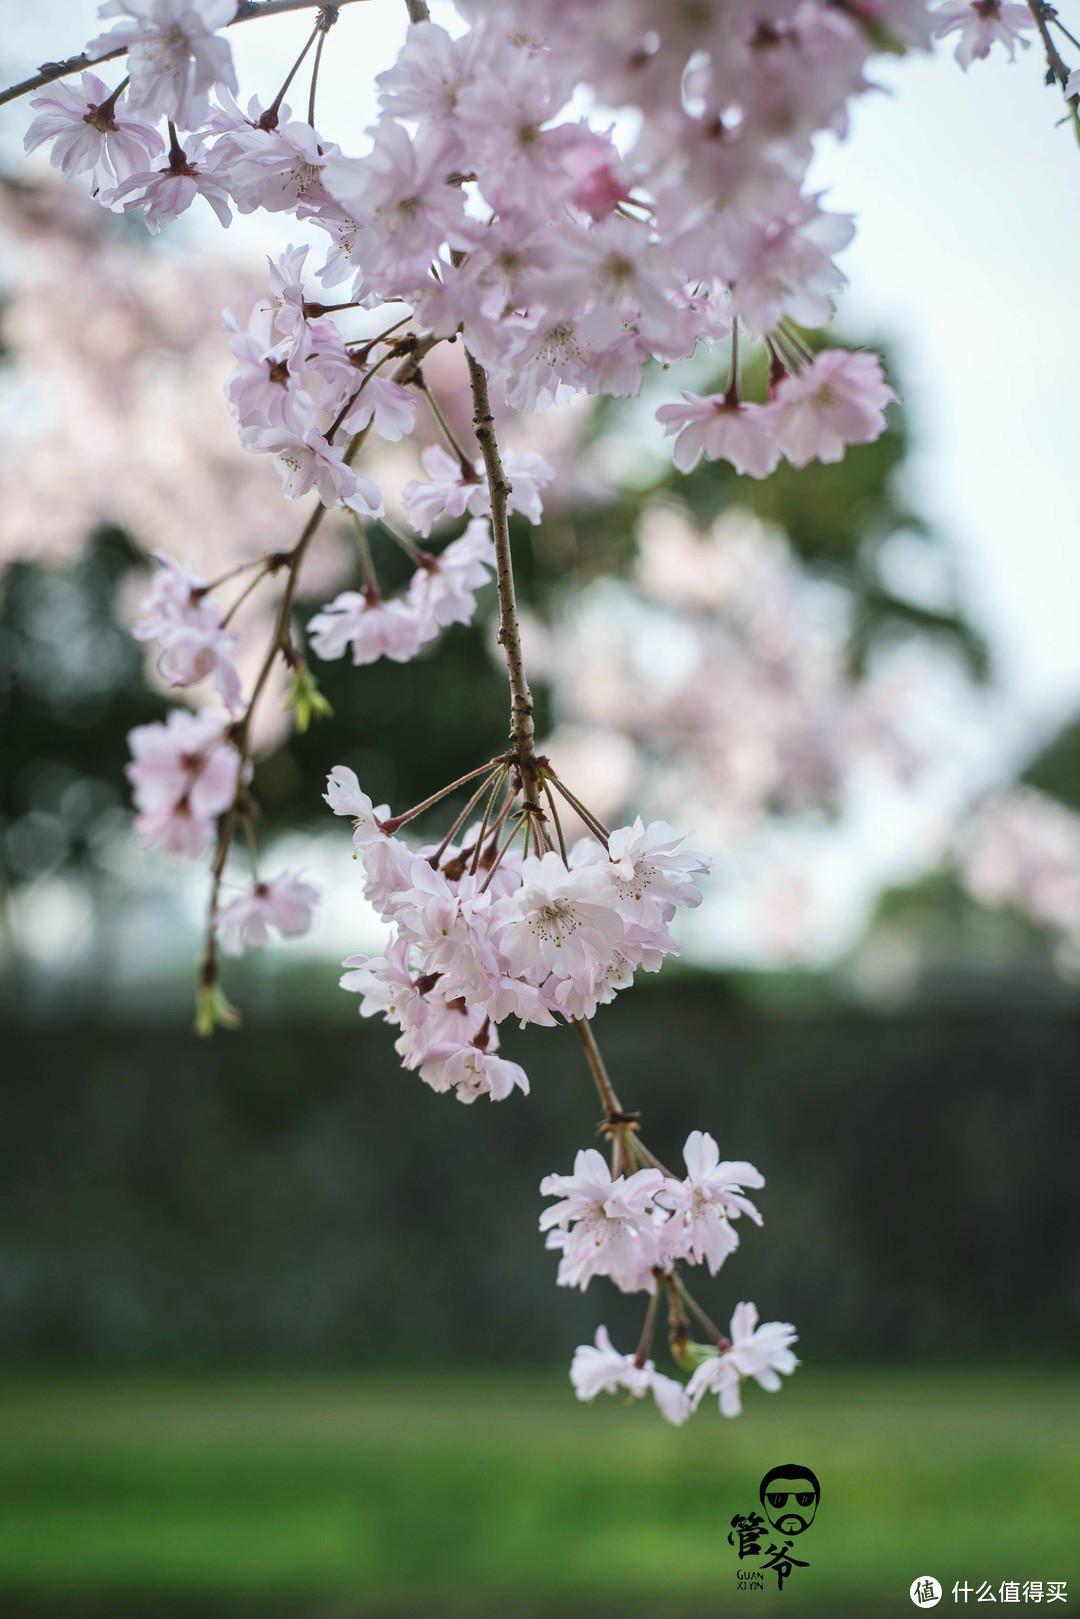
650 874
388 405
282 902
471 1072
982 24
272 169
174 54
184 774
182 616
706 1202
454 488
444 588
107 145
164 194
836 400
263 389
757 1352
305 461
373 627
603 1226
724 430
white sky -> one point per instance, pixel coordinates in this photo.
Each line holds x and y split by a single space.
965 262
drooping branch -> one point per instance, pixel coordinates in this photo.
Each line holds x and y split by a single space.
279 643
522 734
246 11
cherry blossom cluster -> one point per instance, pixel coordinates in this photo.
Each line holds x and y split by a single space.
1022 849
637 1229
565 259
714 683
483 931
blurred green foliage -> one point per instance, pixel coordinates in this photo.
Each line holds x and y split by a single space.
496 1494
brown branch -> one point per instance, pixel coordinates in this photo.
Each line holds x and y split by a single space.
208 967
1056 68
246 11
522 734
418 11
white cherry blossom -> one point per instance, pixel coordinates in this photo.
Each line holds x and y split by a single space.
603 1226
599 1368
706 1202
758 1352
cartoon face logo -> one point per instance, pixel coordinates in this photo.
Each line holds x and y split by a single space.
790 1496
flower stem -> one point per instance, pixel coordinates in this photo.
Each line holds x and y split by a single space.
395 821
647 1330
610 1103
710 1327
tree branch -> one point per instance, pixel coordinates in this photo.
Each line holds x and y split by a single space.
246 11
522 734
1043 14
208 968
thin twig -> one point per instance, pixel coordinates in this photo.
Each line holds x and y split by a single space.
396 821
479 847
315 78
246 11
710 1326
597 828
645 1341
466 812
555 817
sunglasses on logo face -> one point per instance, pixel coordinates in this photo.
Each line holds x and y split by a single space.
779 1498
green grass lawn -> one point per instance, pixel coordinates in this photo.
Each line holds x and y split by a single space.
500 1495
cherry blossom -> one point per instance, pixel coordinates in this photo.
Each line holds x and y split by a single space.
282 902
604 1225
723 430
598 1368
455 488
1023 849
92 133
373 627
982 24
471 1072
836 400
389 406
306 460
182 616
174 54
558 922
184 773
346 797
443 589
706 1202
758 1352
163 194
